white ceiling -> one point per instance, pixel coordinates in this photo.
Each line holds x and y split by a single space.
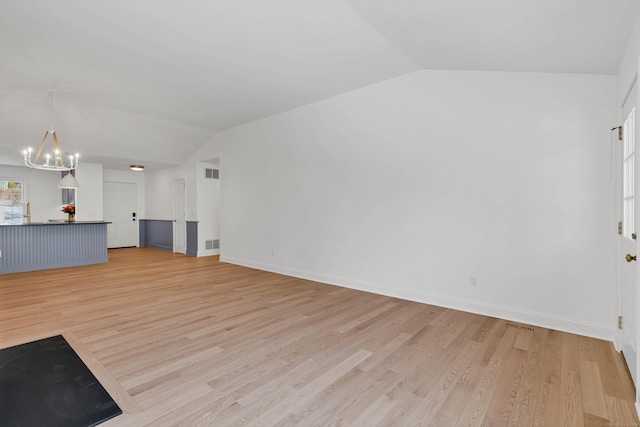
150 81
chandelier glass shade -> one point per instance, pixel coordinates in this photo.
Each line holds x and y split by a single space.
50 161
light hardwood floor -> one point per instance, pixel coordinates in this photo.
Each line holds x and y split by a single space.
192 342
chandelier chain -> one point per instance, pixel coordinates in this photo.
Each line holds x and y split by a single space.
51 110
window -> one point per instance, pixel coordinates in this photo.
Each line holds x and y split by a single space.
11 201
629 192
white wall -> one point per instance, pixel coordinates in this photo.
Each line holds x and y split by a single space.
41 191
89 198
208 209
160 187
629 64
412 186
46 198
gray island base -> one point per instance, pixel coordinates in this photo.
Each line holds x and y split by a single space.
41 246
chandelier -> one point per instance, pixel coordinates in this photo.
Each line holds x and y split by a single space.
51 161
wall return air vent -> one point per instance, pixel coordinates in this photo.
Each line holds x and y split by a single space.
212 244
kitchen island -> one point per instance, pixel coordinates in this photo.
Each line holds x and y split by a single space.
45 245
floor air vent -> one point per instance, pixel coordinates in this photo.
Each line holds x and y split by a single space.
515 325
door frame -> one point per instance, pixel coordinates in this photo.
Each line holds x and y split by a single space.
617 168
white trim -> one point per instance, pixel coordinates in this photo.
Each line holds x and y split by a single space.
575 326
209 252
616 342
25 196
175 214
626 96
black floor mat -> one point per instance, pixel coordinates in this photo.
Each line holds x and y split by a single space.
45 383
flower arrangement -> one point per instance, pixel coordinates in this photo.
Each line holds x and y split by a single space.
70 209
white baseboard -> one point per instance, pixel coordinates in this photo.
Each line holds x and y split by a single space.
209 252
545 320
616 343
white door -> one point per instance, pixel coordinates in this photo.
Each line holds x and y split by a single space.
120 209
179 222
628 303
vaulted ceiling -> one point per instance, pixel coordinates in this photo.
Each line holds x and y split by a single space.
150 81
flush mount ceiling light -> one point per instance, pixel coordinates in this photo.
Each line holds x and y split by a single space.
51 162
136 168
